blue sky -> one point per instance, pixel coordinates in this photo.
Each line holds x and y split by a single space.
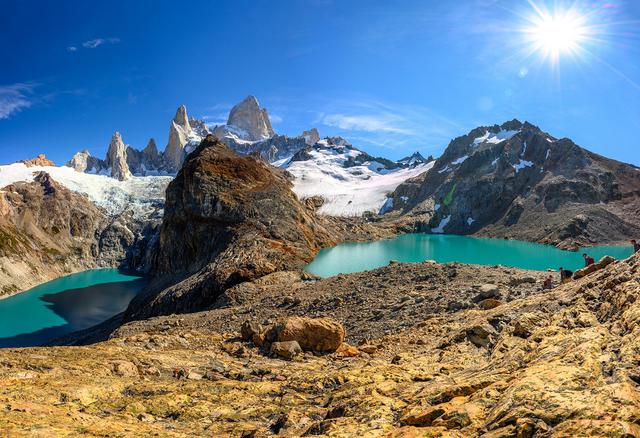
391 76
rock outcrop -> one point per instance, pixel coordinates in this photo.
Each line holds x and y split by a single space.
179 130
40 160
117 158
516 181
228 219
84 162
311 136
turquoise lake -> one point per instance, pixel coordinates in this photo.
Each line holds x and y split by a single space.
357 257
64 305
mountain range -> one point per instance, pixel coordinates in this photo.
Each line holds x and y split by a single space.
512 181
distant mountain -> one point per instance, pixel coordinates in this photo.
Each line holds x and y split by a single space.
516 181
123 161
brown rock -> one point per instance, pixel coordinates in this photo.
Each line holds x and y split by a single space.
40 160
604 262
489 303
319 334
285 349
124 368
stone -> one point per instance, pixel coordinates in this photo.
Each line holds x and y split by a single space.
481 334
285 349
421 417
124 368
602 263
527 323
489 303
517 281
313 334
487 291
250 329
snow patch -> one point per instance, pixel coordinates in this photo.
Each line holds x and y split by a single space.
446 169
436 207
470 221
443 223
347 191
522 164
460 160
494 138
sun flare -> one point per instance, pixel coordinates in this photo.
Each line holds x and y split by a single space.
557 33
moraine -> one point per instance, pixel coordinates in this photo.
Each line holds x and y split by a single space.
64 305
356 257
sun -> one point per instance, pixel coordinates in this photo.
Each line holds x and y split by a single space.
557 33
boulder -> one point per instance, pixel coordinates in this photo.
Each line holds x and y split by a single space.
124 368
312 334
489 303
604 262
487 291
527 323
287 349
252 331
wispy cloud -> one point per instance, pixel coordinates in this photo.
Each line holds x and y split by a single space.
364 122
92 44
399 127
14 98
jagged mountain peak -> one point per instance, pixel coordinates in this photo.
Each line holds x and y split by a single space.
181 118
251 120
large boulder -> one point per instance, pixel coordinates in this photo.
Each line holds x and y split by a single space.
313 334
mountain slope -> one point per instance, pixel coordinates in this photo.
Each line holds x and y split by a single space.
515 181
66 221
345 180
45 231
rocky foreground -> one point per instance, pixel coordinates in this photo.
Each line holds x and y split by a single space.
442 350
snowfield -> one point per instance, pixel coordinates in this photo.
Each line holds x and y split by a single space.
142 194
347 191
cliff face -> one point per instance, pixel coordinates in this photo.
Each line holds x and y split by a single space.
228 219
45 231
515 181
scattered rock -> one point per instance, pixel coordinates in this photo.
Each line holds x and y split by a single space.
487 291
286 349
124 368
489 303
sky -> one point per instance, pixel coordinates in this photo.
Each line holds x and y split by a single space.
393 77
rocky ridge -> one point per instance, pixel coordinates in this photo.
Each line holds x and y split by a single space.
516 181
